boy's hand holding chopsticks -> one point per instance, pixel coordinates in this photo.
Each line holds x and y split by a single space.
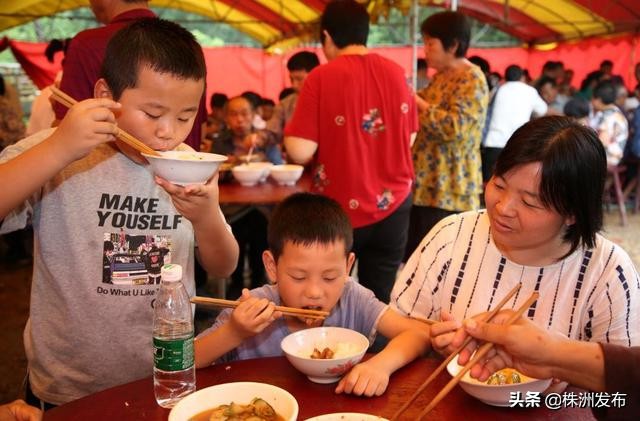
252 315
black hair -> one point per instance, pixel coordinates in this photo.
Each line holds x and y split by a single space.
307 218
421 64
267 101
607 63
303 60
513 73
570 154
482 63
592 77
347 21
54 46
252 97
285 93
163 46
218 100
576 107
544 80
449 27
2 86
605 91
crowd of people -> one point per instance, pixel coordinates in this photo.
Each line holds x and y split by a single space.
475 183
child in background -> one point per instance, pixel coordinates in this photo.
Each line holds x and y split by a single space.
308 263
80 188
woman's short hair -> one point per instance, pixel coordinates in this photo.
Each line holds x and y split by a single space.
449 27
574 168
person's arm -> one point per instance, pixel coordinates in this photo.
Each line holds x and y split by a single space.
409 340
18 410
87 124
539 106
251 317
536 352
300 150
217 249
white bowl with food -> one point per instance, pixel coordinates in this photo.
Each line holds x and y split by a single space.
347 416
247 175
497 389
324 354
185 167
240 399
264 166
286 174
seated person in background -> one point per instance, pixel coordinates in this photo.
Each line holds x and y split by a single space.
578 109
609 122
79 188
308 263
214 125
299 66
548 90
240 134
540 228
255 100
535 352
266 108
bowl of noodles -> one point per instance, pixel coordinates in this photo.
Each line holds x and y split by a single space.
237 401
501 388
324 354
185 167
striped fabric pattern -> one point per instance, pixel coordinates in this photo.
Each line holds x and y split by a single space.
591 295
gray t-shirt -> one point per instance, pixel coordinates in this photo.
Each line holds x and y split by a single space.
358 309
102 229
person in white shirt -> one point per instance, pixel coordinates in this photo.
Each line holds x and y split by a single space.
513 105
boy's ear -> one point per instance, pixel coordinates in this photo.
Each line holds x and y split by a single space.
350 259
270 266
102 90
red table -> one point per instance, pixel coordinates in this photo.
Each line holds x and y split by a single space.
135 401
268 193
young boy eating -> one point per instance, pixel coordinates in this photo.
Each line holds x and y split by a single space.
308 263
84 193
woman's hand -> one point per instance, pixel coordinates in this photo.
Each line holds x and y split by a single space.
444 333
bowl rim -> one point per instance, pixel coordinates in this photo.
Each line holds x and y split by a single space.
164 155
186 399
454 362
283 167
323 417
301 332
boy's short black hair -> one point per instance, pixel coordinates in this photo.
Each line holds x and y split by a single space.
576 108
303 60
570 153
347 21
449 27
605 91
307 218
163 46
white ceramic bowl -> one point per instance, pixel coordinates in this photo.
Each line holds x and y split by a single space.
247 175
348 344
185 167
496 395
264 166
347 416
242 393
286 174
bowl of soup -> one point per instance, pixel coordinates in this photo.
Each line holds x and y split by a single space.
324 354
498 389
240 401
185 167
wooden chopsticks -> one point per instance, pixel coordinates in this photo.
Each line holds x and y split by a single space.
480 353
287 311
451 356
69 102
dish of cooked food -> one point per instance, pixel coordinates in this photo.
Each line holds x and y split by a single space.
325 354
506 376
257 410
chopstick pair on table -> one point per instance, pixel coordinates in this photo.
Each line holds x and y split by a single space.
69 102
479 354
287 311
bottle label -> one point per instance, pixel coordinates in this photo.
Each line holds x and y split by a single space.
173 355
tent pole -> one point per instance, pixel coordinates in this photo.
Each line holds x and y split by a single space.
454 5
413 27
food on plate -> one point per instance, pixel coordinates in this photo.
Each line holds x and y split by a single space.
257 410
325 354
506 376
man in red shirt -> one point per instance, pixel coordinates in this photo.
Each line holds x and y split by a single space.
357 116
84 56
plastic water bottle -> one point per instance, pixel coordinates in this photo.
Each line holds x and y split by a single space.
174 374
